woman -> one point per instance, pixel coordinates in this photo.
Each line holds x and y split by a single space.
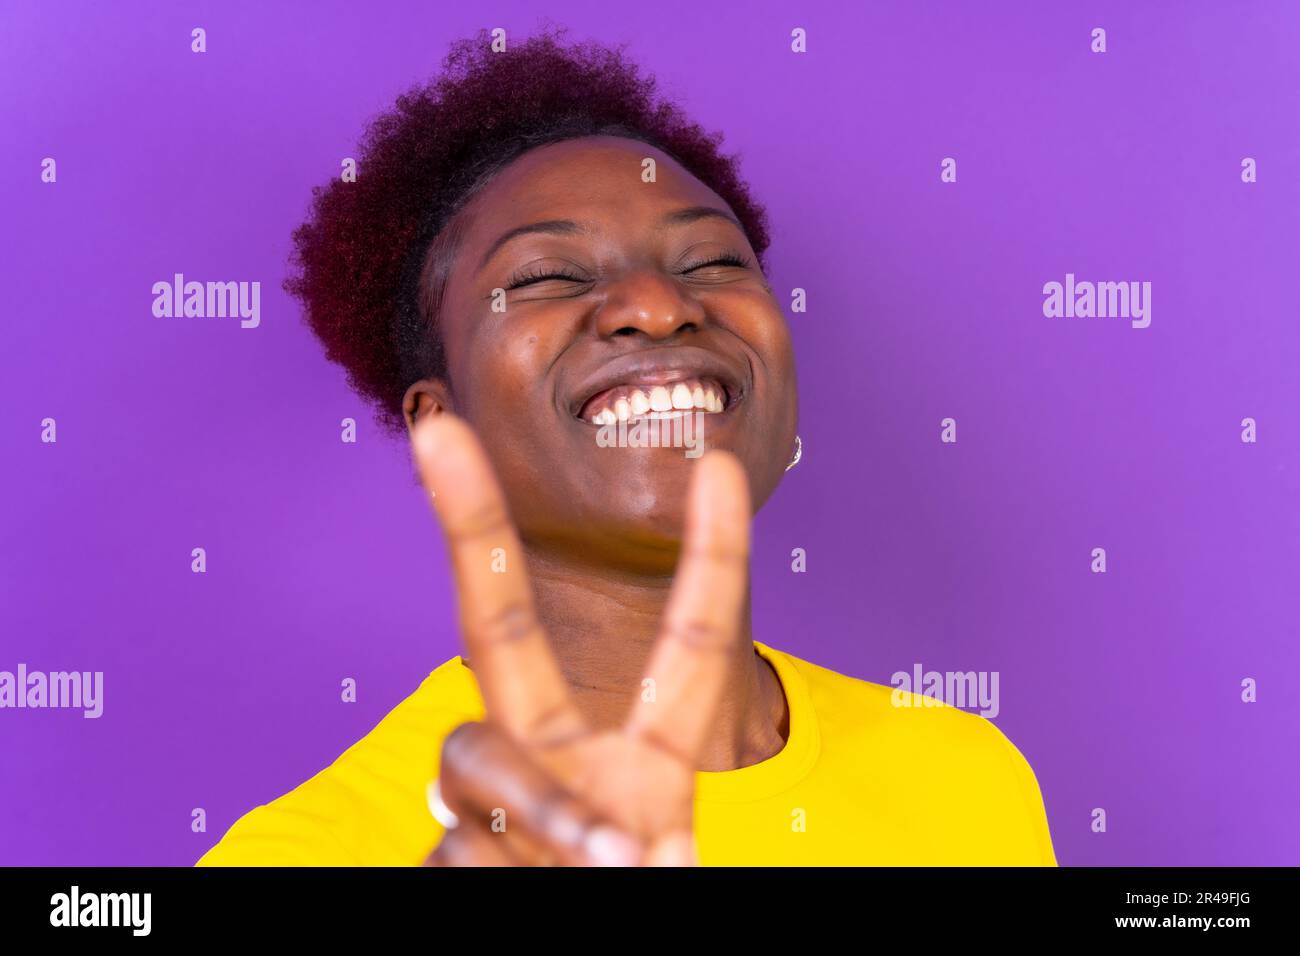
537 249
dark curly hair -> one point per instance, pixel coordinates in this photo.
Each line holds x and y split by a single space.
358 259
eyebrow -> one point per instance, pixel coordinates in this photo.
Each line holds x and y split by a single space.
553 227
567 227
692 214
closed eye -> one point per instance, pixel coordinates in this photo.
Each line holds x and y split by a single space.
529 277
725 259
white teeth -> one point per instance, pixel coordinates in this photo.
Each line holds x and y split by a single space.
662 401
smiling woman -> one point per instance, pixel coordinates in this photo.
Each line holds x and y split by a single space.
501 280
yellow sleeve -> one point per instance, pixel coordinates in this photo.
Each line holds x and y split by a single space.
279 834
1025 786
368 808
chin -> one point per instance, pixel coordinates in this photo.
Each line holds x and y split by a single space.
633 526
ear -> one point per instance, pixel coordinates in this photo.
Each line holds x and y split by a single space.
428 396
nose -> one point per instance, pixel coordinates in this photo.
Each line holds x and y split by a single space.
648 302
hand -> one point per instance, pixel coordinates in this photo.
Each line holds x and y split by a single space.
573 795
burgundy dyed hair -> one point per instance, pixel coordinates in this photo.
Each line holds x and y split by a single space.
359 257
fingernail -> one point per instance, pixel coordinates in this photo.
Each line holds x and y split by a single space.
609 847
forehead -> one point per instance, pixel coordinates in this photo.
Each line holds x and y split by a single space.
596 180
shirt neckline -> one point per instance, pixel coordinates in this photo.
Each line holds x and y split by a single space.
777 773
790 764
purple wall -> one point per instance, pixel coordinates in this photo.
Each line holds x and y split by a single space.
221 690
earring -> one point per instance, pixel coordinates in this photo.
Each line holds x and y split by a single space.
798 453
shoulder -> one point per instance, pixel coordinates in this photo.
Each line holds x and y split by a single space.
369 805
958 764
865 709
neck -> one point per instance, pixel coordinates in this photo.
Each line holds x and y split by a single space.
602 631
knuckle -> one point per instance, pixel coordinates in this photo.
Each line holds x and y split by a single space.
724 552
483 518
667 746
461 747
556 816
553 726
507 624
698 634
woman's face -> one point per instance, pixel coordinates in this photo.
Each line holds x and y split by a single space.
612 287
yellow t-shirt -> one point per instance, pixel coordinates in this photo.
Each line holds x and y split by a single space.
860 781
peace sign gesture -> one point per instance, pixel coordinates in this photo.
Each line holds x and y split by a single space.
571 794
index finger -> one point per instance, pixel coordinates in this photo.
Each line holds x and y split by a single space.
702 622
523 688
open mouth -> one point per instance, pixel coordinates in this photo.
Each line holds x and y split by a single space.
659 383
632 401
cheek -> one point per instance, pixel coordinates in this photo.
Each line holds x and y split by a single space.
758 319
775 411
508 387
775 334
765 331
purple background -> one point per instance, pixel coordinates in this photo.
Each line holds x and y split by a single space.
222 690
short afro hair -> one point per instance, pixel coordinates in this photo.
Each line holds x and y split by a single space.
358 259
